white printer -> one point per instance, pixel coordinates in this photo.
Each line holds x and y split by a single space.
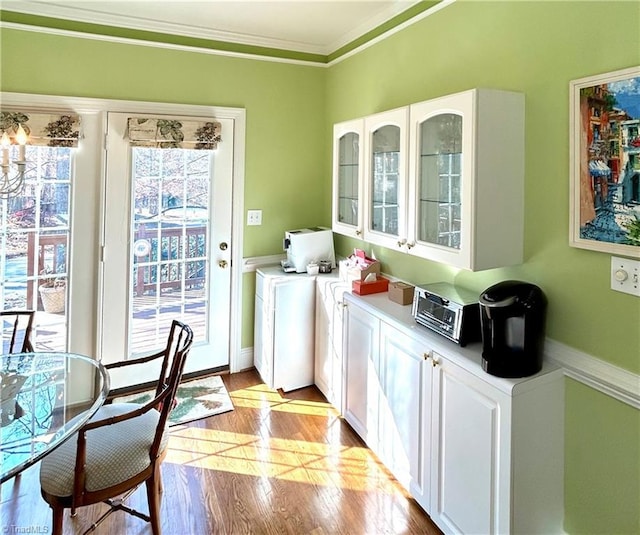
307 245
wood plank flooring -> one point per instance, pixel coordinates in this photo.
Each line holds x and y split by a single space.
276 464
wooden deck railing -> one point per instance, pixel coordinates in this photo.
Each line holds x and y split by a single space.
51 249
162 266
164 260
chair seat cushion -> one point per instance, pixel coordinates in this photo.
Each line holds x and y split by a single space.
115 452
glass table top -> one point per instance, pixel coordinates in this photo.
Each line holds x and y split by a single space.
46 397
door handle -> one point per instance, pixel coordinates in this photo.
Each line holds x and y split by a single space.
223 246
223 264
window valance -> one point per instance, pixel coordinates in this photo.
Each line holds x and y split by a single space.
43 129
173 134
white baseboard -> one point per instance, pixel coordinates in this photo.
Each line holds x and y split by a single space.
609 379
245 361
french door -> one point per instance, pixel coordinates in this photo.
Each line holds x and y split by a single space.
34 247
166 248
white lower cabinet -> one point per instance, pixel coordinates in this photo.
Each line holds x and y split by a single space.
361 338
470 420
404 411
480 454
387 397
323 361
284 328
328 350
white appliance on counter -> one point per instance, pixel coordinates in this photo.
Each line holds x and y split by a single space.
284 335
308 245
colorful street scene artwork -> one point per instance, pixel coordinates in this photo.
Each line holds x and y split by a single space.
609 161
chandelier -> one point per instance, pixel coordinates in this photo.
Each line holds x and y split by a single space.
12 179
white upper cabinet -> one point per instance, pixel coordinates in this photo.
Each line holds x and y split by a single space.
348 186
466 179
441 179
385 173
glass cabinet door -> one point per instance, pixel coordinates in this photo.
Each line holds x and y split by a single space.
384 178
348 179
347 205
439 180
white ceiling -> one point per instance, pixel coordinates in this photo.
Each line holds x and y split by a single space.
313 26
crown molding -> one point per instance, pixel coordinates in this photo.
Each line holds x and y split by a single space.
289 49
370 24
157 44
434 9
88 16
262 55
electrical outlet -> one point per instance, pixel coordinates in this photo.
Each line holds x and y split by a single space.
625 275
254 217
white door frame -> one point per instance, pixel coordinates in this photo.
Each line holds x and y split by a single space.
93 166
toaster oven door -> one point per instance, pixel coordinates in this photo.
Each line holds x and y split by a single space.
438 314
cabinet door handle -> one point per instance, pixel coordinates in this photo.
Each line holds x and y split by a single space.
358 232
434 362
426 356
410 244
402 242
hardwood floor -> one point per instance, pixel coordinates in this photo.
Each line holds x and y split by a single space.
276 464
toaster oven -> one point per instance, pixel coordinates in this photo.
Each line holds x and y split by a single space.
449 310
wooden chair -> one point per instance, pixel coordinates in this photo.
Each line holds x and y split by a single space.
120 448
20 323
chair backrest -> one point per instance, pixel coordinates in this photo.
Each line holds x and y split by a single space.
15 332
178 345
173 360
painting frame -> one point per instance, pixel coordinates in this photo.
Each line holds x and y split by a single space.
605 162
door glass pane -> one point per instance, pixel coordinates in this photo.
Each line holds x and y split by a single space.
169 254
34 239
384 187
440 180
348 202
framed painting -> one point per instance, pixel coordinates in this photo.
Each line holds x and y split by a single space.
605 162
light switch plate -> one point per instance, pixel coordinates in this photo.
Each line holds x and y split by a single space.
254 217
625 275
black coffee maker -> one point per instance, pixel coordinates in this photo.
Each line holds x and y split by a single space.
512 316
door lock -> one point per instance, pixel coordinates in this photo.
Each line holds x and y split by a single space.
223 246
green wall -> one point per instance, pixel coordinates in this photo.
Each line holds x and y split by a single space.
527 47
284 104
286 132
533 47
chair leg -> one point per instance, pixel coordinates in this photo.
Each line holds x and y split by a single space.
58 516
153 499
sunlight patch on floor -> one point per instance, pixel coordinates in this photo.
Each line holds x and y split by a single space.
261 396
295 460
265 456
